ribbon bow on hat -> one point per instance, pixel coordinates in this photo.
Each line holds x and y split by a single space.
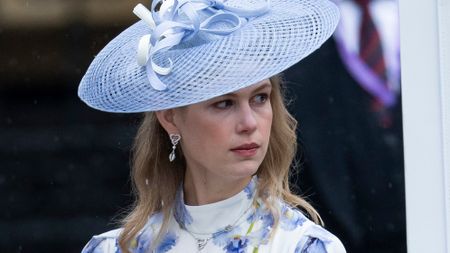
179 20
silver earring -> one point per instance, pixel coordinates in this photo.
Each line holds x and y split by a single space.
174 138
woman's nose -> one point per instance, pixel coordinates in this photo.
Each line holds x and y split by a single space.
247 122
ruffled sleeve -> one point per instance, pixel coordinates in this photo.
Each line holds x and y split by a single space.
318 240
104 243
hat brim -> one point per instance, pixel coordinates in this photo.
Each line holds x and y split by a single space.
265 46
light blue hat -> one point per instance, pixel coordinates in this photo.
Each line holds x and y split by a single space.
186 51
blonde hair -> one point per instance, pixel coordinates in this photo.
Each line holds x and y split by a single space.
151 169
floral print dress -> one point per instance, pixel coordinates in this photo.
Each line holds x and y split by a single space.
235 225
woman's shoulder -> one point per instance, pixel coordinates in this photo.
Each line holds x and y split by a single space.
318 240
305 235
103 243
108 242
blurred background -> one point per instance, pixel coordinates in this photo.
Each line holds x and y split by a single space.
64 167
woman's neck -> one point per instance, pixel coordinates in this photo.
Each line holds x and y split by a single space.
204 188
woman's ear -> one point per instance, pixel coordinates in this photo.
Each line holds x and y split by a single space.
166 119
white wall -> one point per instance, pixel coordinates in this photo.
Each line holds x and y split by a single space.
425 55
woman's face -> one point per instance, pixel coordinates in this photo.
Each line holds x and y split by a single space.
227 136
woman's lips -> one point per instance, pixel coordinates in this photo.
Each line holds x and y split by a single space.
246 150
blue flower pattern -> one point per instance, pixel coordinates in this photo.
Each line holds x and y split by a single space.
223 237
250 188
180 213
236 240
312 245
237 244
144 239
91 247
167 243
263 217
290 219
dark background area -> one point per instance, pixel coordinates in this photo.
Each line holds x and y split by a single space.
352 167
64 167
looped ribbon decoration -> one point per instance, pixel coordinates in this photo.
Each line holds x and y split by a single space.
169 28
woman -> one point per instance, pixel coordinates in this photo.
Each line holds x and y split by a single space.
212 156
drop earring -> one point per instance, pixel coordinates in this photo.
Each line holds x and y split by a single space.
174 138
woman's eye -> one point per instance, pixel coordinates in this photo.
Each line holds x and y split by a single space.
223 104
261 98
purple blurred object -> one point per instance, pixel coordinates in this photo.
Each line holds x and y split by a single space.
383 90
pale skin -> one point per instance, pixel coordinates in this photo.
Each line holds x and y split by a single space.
224 141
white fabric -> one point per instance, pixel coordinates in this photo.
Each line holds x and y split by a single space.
294 234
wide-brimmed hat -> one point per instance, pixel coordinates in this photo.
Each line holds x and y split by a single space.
183 52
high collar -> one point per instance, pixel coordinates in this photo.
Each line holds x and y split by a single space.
214 217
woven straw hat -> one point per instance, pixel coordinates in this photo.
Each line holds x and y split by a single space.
183 52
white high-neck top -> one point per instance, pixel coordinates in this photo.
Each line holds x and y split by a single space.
235 225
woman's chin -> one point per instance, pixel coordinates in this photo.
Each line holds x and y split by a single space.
244 169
